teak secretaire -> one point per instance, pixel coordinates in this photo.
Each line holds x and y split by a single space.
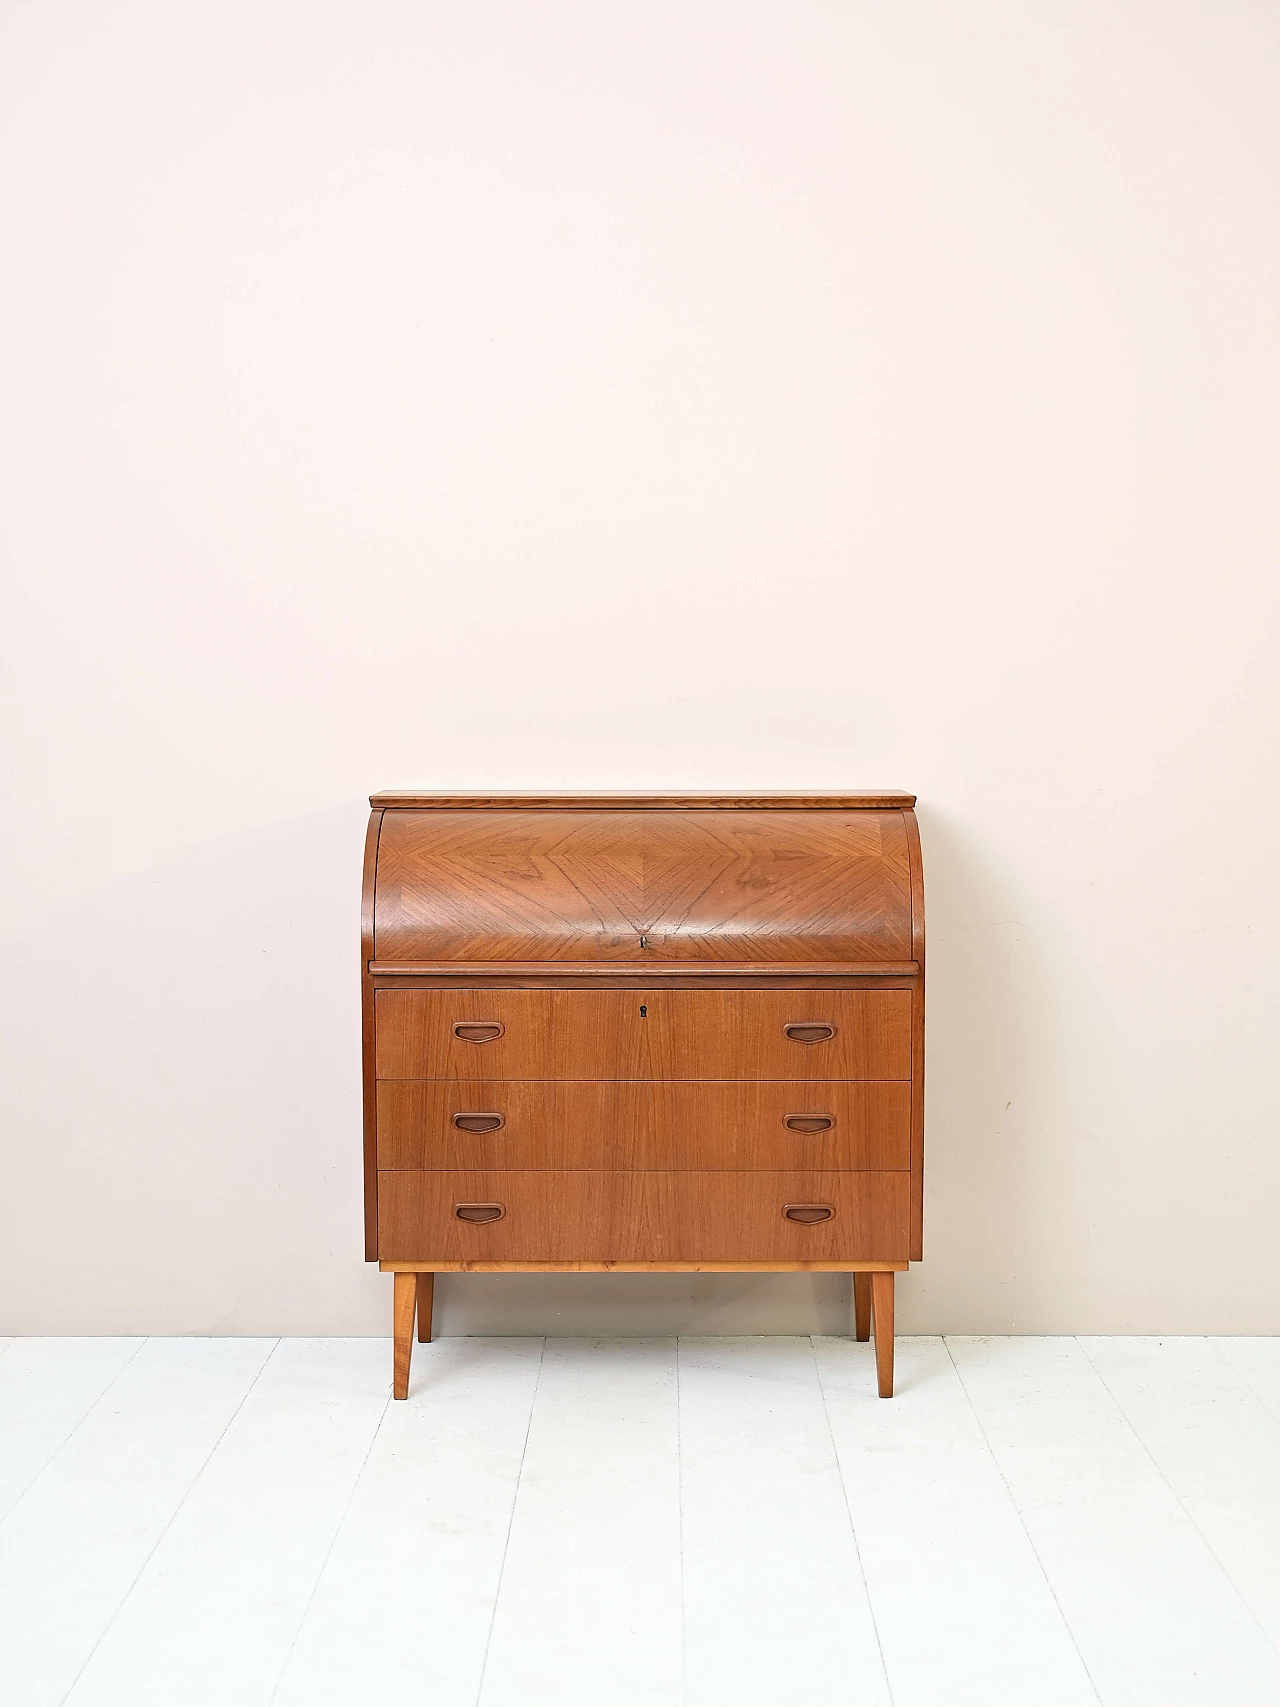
643 1032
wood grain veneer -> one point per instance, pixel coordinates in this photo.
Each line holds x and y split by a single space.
695 885
643 1032
680 1034
653 800
644 1217
441 1265
566 1125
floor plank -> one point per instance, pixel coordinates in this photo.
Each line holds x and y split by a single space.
72 1547
589 1607
212 1521
1257 1362
1215 1443
212 1616
1156 1619
47 1388
776 1611
965 1615
404 1607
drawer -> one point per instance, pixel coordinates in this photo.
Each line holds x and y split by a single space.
782 1034
728 1217
558 1126
803 1035
510 1034
546 1217
771 1124
479 1124
643 1217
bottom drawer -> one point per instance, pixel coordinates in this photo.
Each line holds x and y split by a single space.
643 1217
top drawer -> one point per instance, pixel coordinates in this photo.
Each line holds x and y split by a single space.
820 1035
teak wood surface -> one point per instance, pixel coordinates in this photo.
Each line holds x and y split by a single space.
565 1125
439 1265
719 1216
644 1032
602 800
699 886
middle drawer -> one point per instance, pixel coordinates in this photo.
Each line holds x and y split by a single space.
571 1124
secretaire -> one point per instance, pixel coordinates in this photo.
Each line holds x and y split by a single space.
667 1031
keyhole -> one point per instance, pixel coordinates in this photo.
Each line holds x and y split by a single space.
644 1012
644 942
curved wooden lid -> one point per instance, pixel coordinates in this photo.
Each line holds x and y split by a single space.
825 885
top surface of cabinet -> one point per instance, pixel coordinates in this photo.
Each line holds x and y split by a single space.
603 799
645 881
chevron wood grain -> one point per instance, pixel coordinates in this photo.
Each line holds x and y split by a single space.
690 886
637 1032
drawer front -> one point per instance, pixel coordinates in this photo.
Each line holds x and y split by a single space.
808 1035
480 1124
783 1034
553 1127
510 1034
728 1217
546 1217
643 1217
840 1127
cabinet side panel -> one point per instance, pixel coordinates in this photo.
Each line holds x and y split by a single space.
917 1038
367 1024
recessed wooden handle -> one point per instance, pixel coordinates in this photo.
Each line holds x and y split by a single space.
478 1213
808 1213
807 1122
481 1031
478 1122
809 1032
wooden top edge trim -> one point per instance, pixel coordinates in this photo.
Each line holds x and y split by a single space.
645 971
391 1267
886 799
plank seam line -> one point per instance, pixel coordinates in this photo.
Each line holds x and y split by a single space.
1177 1498
511 1518
328 1552
1266 1404
684 1645
857 1550
70 1435
1035 1552
173 1515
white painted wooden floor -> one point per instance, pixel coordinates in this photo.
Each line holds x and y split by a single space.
733 1523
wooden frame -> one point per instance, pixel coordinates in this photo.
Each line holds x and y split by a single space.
651 962
415 1287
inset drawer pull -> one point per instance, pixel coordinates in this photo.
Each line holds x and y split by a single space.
478 1213
803 1122
478 1031
809 1032
478 1122
808 1213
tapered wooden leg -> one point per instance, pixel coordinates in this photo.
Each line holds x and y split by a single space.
426 1290
406 1293
862 1306
882 1298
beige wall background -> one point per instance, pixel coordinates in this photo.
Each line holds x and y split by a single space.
705 393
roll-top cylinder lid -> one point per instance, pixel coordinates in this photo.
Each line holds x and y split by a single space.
664 881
